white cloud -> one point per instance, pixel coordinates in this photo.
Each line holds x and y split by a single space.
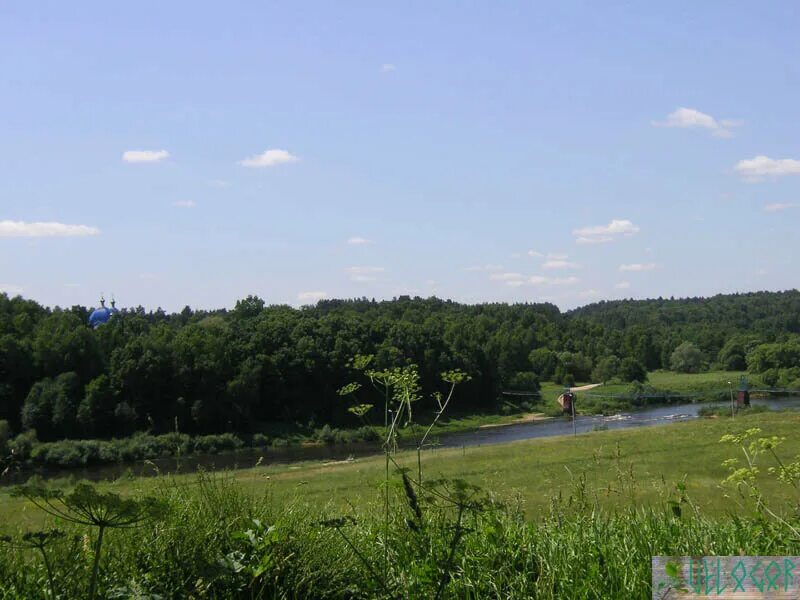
756 168
184 204
638 267
588 293
10 289
44 229
506 277
359 241
218 183
144 156
387 68
534 253
778 206
560 264
311 297
269 158
557 256
615 227
563 281
364 273
518 279
690 118
601 239
485 268
623 285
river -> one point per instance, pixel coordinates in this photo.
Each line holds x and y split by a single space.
479 437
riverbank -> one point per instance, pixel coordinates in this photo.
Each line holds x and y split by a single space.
31 456
661 388
609 399
532 471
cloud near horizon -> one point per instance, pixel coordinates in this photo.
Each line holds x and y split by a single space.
361 274
779 206
560 264
615 227
638 267
11 289
144 156
484 268
15 229
269 158
601 239
518 279
359 241
311 296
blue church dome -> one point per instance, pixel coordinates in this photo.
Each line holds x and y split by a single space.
100 316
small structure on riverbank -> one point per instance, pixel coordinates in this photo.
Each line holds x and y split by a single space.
743 395
566 401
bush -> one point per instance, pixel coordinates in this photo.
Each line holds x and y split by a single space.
23 444
325 434
725 411
213 444
259 440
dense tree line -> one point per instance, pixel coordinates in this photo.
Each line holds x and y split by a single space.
228 370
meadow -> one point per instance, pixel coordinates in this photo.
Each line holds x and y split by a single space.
559 517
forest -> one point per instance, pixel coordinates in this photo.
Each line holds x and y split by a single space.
206 372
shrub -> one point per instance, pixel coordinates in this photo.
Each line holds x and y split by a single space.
23 444
259 440
325 434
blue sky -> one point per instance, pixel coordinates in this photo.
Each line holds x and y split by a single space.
176 153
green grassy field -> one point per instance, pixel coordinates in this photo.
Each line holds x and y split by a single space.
579 517
646 462
681 383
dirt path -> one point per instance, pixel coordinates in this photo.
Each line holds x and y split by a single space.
584 388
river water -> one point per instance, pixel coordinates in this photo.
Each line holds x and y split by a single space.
483 436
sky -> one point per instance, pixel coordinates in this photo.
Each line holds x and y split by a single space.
192 153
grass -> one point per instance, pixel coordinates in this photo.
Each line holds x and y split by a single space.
533 470
580 518
711 385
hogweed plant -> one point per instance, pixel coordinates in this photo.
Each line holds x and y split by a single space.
743 475
39 541
400 389
88 507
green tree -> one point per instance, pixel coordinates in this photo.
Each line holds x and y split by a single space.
631 369
95 413
607 368
543 362
686 358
